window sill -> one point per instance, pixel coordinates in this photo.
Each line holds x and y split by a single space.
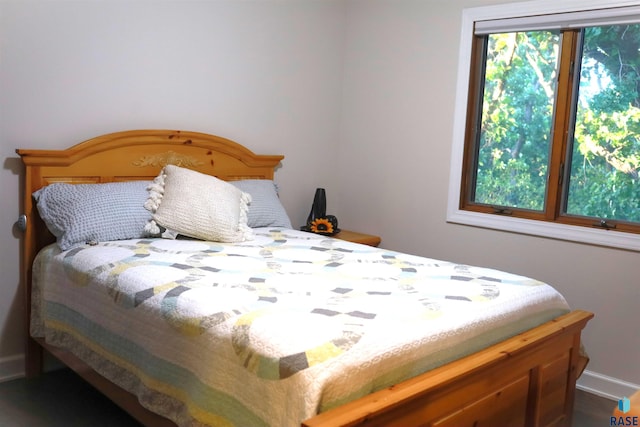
572 233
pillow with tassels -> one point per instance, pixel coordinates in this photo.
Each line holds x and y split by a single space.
197 205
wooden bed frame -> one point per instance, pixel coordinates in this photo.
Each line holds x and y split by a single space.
528 380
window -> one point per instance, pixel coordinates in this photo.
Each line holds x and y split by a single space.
550 138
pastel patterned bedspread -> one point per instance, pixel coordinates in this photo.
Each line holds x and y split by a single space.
275 330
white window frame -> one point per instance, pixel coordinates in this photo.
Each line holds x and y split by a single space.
499 15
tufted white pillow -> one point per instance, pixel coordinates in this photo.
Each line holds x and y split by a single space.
198 205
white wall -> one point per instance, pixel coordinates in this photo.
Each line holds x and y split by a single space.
358 94
401 61
266 74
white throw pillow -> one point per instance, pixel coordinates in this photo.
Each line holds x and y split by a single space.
198 205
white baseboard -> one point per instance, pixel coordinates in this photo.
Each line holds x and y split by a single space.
11 367
606 386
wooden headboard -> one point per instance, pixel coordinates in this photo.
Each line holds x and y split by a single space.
126 156
137 155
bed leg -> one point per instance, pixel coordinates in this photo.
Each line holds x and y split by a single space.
34 356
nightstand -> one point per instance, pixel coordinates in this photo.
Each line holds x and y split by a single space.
355 237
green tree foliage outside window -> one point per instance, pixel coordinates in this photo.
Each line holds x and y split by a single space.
518 102
518 99
604 178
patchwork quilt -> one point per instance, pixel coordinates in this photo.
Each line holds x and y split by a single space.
272 331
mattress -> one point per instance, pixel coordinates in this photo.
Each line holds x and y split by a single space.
272 331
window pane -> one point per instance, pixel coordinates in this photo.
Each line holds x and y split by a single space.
605 160
513 144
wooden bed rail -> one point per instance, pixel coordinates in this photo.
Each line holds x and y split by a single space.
528 380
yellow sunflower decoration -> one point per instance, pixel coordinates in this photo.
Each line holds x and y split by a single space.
321 225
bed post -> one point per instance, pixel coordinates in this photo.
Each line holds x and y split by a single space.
33 356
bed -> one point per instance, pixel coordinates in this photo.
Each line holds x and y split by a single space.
277 326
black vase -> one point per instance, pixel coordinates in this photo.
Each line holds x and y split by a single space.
319 207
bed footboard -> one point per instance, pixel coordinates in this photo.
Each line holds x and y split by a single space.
528 380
